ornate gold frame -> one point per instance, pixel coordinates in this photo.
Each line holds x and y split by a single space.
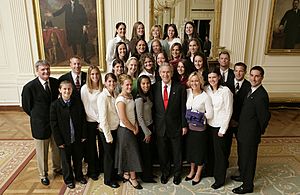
269 50
101 37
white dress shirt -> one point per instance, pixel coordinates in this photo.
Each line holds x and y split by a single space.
108 117
89 101
151 76
74 76
222 101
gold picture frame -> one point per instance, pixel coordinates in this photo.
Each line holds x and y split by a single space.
282 39
55 42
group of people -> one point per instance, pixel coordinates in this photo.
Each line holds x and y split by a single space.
177 109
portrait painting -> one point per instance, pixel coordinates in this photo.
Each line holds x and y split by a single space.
69 27
284 28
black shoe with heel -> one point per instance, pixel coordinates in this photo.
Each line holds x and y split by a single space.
138 186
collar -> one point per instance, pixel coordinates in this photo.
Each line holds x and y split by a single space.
255 88
240 82
43 81
168 84
225 71
75 75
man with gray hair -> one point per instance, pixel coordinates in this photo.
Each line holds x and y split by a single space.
37 96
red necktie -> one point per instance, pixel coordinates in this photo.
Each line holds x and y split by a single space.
166 98
77 84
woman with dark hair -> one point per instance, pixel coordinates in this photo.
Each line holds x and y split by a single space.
138 32
117 70
121 52
176 54
189 33
143 107
196 140
128 160
120 36
140 48
201 65
109 122
181 73
89 95
172 35
222 101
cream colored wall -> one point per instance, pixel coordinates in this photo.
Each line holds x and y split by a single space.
243 32
244 29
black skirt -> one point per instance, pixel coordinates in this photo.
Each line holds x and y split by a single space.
196 146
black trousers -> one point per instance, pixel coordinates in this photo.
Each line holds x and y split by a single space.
146 151
93 156
248 156
229 135
220 155
72 152
109 156
165 147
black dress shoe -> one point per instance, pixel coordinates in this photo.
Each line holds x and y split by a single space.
195 182
216 185
71 185
236 178
82 180
177 180
242 190
93 177
112 184
189 178
164 179
45 181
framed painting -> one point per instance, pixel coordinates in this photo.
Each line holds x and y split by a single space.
70 27
284 28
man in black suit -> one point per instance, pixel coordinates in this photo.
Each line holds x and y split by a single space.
76 22
169 116
253 121
75 76
290 25
226 72
242 87
37 96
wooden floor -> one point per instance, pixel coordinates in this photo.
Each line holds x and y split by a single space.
15 125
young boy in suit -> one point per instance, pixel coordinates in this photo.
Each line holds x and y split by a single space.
68 124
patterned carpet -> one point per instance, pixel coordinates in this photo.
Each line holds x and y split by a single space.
14 155
278 173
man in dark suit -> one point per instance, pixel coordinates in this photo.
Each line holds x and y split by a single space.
226 72
253 121
242 87
76 22
290 24
75 76
169 116
37 96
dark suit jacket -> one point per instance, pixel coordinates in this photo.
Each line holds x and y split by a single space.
68 77
230 81
36 103
169 122
254 117
73 21
60 114
238 99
